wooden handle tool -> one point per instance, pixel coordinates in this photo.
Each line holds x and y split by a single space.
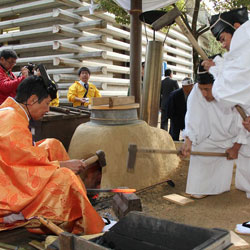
132 151
49 224
164 151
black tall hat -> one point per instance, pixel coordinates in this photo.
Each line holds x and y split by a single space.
203 76
219 22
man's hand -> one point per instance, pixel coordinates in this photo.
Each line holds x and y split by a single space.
207 64
75 165
246 123
24 71
186 148
82 100
232 153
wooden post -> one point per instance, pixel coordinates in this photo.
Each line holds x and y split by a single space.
135 49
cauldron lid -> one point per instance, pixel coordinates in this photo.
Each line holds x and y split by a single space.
151 16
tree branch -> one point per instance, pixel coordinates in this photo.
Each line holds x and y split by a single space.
195 16
200 32
202 27
185 20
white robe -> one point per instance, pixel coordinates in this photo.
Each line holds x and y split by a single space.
212 127
232 72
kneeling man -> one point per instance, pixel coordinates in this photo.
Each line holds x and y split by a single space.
38 178
211 127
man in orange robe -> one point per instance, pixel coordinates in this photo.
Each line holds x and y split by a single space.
39 179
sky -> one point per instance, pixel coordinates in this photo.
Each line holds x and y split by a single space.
209 5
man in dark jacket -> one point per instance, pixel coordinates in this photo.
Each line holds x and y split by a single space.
167 86
177 108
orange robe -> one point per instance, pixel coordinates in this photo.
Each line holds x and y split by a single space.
31 180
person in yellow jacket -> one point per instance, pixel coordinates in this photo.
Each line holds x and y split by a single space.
55 102
80 92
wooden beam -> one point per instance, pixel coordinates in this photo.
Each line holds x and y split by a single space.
93 78
57 61
96 24
66 31
110 81
27 7
26 34
66 47
113 101
62 71
118 101
92 55
97 101
64 86
115 32
86 40
30 47
41 18
90 39
110 67
73 63
177 60
117 56
181 69
72 60
30 20
49 58
56 29
85 11
71 3
4 2
38 59
66 15
117 44
64 77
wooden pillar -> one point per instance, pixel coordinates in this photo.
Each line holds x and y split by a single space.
135 49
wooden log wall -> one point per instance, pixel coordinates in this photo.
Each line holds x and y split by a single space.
63 35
